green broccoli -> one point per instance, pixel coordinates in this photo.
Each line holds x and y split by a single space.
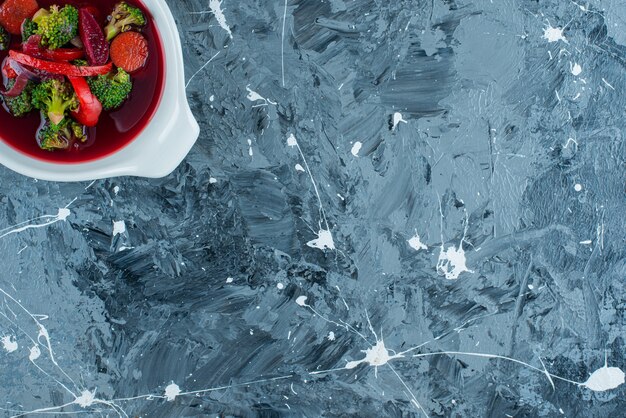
52 137
122 19
20 105
29 28
54 98
56 26
5 39
111 89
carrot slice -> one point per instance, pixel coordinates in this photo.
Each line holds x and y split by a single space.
13 13
129 51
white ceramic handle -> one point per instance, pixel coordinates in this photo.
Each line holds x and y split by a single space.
162 159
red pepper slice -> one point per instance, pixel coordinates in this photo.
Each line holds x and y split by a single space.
58 55
90 107
32 47
63 54
62 68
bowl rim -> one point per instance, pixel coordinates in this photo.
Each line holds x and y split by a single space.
155 151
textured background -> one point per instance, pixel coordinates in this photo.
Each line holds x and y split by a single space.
374 180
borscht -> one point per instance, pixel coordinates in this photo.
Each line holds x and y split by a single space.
80 79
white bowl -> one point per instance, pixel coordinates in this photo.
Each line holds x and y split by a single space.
157 150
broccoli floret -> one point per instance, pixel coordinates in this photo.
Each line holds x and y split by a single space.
56 26
122 19
29 28
54 98
111 89
20 105
80 63
79 131
52 137
5 39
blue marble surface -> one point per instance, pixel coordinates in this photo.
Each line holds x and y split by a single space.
395 209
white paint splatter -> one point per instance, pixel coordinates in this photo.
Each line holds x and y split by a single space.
331 336
586 242
116 190
212 98
9 344
356 148
61 215
605 378
230 280
35 353
212 180
324 241
300 168
416 243
216 8
119 228
282 44
86 398
376 356
452 262
280 286
250 152
578 187
253 96
609 85
172 391
576 69
397 119
554 34
206 64
301 300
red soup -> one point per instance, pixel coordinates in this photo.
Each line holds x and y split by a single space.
116 128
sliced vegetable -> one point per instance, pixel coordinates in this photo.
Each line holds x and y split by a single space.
56 26
129 51
123 18
16 86
13 13
7 71
32 44
62 68
63 54
33 47
95 12
21 70
5 39
90 108
96 46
